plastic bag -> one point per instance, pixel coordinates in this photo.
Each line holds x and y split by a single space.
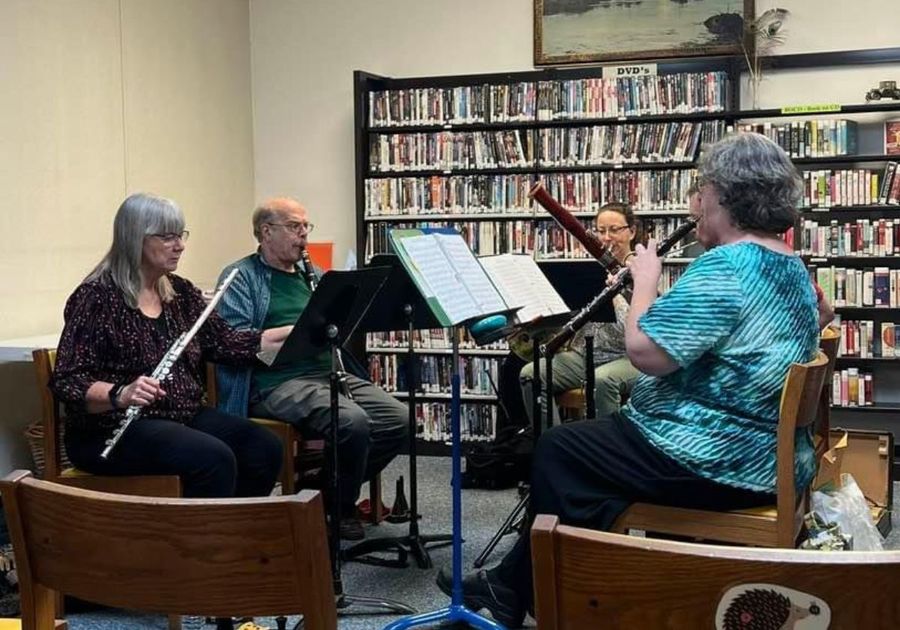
847 507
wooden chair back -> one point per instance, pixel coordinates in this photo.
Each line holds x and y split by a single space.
586 579
55 469
766 527
213 557
828 343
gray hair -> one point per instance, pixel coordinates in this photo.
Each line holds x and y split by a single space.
139 216
756 181
262 215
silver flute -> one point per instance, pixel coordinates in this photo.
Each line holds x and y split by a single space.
310 274
164 368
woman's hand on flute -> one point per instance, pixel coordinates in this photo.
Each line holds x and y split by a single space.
141 392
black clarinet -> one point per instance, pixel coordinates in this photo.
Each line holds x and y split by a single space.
583 316
309 273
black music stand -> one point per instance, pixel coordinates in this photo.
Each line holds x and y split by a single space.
576 282
400 305
332 314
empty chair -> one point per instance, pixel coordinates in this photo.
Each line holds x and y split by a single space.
213 557
585 579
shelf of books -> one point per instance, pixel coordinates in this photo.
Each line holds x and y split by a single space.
849 236
463 152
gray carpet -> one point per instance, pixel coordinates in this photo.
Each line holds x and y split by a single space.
483 512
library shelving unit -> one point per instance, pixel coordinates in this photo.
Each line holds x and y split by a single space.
462 151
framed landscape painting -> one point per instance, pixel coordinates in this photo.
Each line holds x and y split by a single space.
579 31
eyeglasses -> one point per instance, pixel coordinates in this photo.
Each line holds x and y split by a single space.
169 238
295 227
612 230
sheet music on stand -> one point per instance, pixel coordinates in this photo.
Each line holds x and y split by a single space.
522 283
454 284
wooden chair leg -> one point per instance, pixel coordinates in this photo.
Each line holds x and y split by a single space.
174 622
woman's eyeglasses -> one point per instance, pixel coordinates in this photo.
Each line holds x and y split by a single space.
169 238
612 230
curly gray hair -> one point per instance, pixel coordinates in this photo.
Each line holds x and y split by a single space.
756 181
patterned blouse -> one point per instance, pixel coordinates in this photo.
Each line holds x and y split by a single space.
734 323
609 337
106 340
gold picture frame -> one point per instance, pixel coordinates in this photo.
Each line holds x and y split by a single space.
565 30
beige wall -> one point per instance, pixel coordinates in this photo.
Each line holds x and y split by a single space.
304 55
100 98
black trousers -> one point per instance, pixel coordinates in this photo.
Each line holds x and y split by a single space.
588 473
215 454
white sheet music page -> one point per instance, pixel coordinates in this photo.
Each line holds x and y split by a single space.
441 280
479 286
522 283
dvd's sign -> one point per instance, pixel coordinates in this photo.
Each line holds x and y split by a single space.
619 72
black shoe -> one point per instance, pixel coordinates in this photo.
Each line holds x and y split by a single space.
351 529
479 592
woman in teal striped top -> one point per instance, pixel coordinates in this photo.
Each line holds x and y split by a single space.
700 428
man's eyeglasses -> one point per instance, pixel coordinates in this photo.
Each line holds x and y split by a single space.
296 227
612 230
169 238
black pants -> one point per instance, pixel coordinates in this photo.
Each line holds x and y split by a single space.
588 473
215 454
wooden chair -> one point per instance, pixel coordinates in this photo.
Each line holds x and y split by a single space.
572 402
143 485
774 526
586 579
212 557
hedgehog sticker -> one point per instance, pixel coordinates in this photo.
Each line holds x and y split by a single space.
770 607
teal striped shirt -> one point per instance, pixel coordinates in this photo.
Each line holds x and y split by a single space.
734 322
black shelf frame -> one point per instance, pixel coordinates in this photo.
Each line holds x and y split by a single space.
734 65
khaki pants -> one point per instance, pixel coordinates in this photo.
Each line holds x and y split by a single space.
612 382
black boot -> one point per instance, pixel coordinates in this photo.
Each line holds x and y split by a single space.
480 590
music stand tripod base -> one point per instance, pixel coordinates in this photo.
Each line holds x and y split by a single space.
456 611
413 314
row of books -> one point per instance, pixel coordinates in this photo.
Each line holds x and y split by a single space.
446 150
842 187
890 185
551 100
429 339
478 422
862 237
652 95
487 238
626 144
860 339
852 388
477 375
671 142
878 287
508 194
810 138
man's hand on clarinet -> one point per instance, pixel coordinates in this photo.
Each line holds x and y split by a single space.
141 392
